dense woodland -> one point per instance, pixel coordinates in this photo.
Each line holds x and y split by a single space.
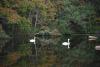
20 20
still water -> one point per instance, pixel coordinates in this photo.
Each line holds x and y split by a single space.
48 52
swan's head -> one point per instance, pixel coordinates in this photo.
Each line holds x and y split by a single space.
68 39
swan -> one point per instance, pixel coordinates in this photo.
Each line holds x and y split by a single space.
66 43
33 40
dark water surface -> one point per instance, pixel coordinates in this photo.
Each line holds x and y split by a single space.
49 52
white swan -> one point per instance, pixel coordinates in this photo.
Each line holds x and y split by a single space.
33 40
66 43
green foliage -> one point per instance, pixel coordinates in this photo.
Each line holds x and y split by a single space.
74 11
3 35
4 38
24 49
25 25
63 27
24 7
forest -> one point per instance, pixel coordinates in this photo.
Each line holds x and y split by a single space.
51 22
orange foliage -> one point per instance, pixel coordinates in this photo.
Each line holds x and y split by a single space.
13 57
11 14
2 65
47 8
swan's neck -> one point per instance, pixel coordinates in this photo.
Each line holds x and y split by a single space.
68 40
34 38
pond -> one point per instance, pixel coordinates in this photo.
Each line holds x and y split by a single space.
49 52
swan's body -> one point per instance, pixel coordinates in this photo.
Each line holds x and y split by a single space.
66 43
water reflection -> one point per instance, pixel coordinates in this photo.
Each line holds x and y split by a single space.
49 52
54 53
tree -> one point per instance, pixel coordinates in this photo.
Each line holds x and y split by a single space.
79 13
